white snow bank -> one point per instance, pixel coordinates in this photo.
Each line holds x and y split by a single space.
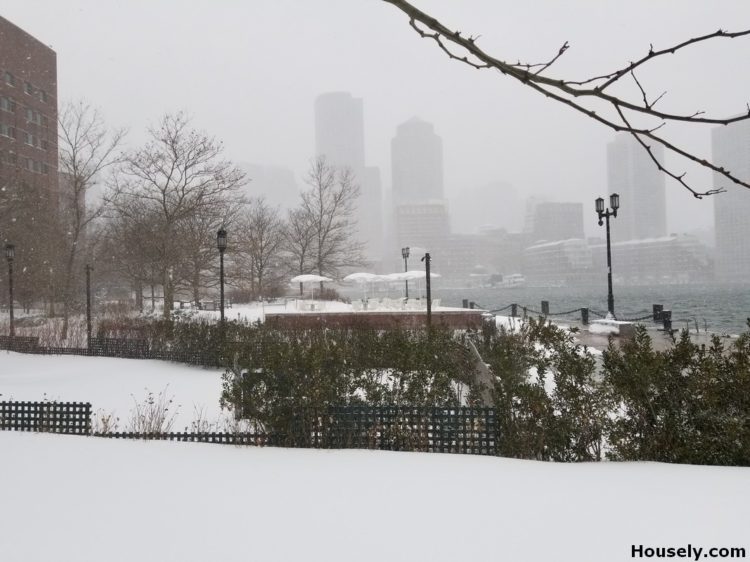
89 499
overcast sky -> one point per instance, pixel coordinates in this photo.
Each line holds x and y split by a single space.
248 71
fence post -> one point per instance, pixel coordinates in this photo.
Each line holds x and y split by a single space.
545 308
657 308
666 316
514 310
524 312
465 303
584 316
471 305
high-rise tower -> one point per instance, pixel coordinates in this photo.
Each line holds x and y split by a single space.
731 150
416 163
635 177
340 137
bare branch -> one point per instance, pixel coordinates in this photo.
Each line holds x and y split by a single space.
575 94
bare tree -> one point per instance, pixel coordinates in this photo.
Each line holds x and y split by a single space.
582 95
87 150
261 243
329 206
299 241
178 174
197 244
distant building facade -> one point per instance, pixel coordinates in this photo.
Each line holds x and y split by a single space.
28 115
416 163
558 263
420 211
673 259
731 149
275 183
641 186
557 221
340 137
424 224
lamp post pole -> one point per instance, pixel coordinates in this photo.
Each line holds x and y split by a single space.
10 254
604 215
221 244
88 305
426 259
405 255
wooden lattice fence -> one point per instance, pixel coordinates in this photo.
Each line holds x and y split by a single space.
52 417
396 428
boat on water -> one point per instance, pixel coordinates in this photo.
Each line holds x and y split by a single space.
512 281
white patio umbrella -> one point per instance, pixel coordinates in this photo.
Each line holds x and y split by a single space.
363 278
310 278
418 275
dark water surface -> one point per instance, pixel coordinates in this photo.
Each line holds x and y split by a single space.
722 309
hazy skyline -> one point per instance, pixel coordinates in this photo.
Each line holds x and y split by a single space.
249 74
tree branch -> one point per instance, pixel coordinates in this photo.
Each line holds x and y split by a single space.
575 93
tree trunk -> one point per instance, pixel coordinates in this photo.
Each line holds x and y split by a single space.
196 287
168 295
139 295
66 291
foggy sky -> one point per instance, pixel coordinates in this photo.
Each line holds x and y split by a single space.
249 71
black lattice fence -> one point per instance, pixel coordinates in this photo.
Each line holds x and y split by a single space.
23 344
53 417
396 428
224 438
390 428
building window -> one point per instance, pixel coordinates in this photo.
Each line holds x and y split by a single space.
33 116
42 96
10 80
6 104
45 145
7 131
45 168
28 88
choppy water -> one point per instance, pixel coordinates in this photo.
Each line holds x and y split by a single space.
722 309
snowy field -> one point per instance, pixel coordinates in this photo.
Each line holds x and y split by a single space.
112 385
68 498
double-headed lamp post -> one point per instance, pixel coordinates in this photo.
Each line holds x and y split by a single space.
614 203
405 255
221 244
10 254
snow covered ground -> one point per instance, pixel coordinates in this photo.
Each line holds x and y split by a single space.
111 385
85 499
81 499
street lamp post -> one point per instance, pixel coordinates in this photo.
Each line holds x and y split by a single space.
88 304
426 259
221 244
10 254
614 202
405 255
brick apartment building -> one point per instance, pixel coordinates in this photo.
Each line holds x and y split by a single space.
28 115
29 183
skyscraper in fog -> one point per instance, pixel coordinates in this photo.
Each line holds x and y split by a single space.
340 130
416 163
557 221
421 212
731 149
340 137
635 177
